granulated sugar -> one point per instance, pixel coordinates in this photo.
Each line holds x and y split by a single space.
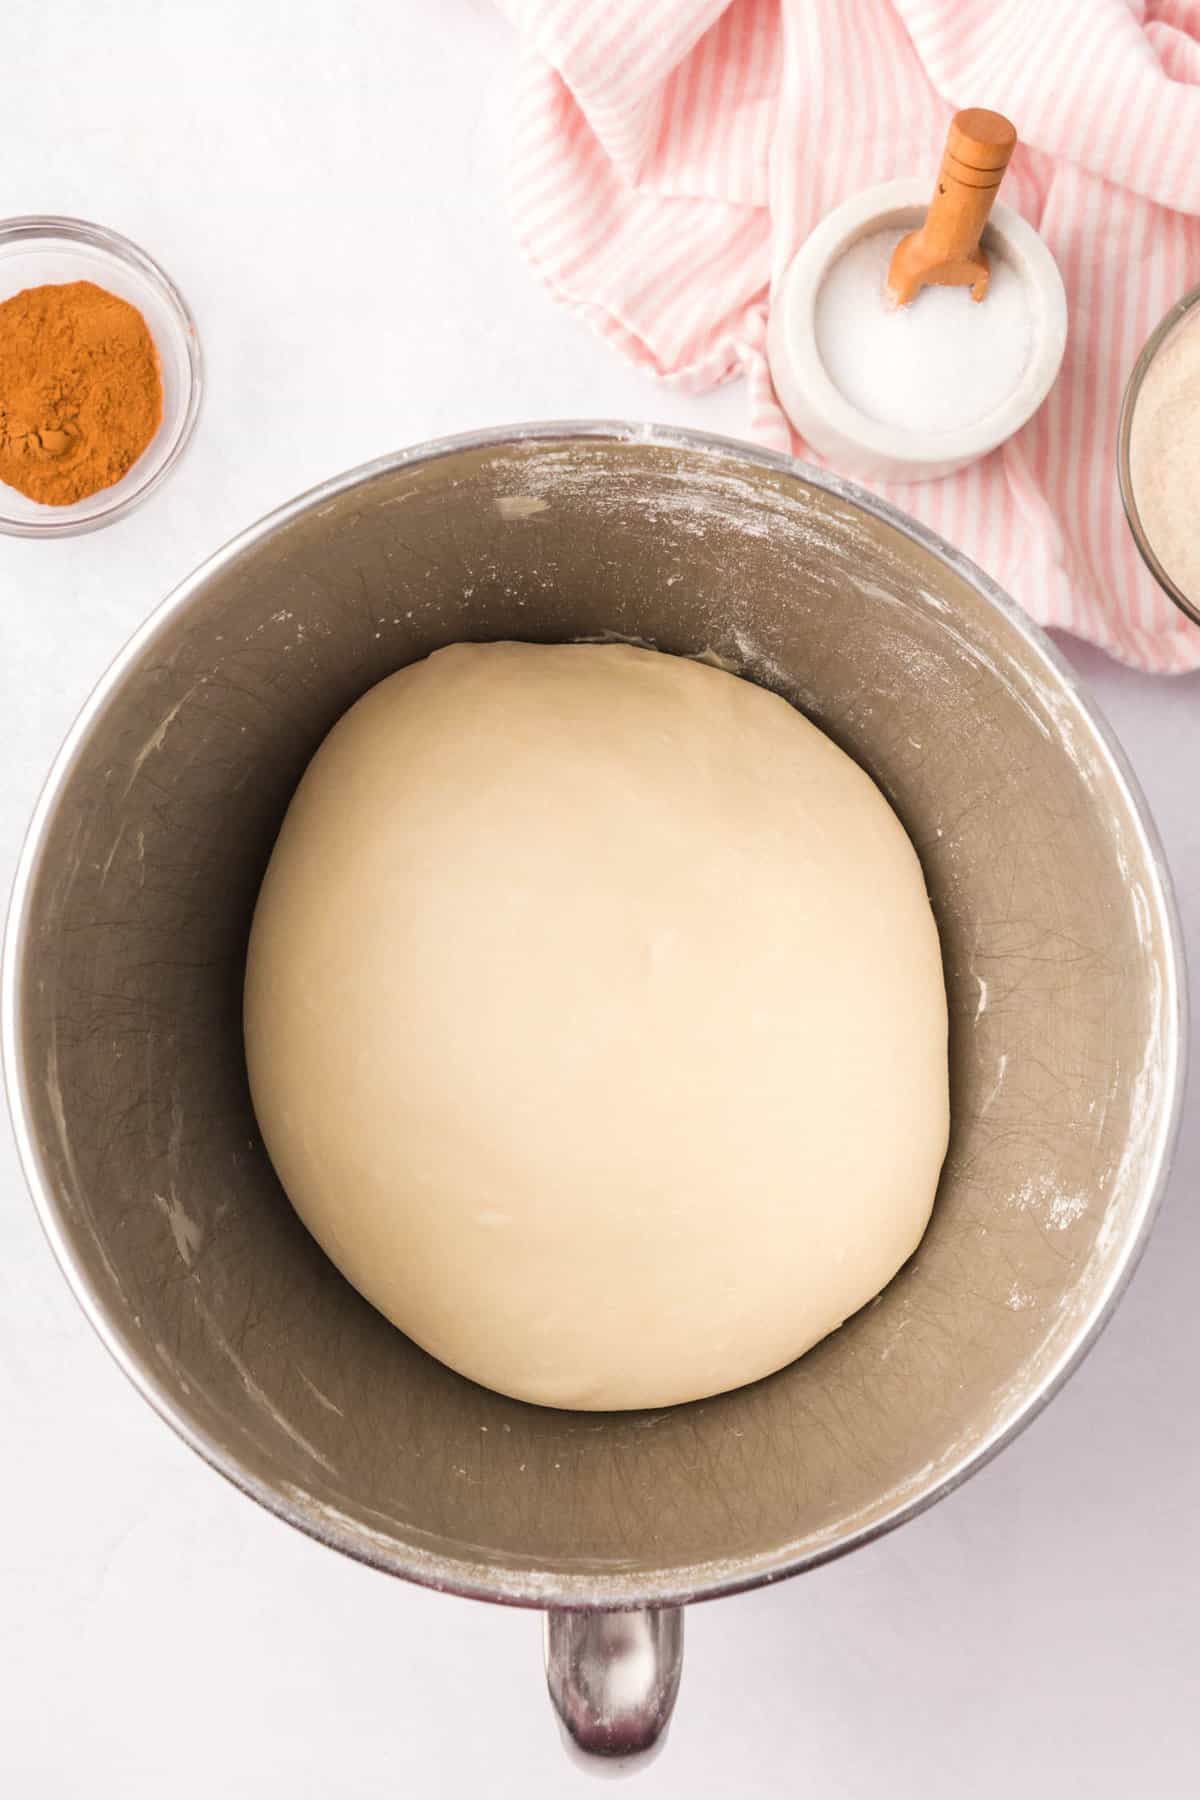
1164 456
943 362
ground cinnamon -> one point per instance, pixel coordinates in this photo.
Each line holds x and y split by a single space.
80 391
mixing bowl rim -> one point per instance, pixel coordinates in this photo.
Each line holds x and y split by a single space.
455 1574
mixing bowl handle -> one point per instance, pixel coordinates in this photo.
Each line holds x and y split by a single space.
613 1677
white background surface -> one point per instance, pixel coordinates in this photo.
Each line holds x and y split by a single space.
325 182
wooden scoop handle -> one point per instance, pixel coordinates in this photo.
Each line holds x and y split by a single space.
946 247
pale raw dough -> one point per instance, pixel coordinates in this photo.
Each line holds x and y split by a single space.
596 1023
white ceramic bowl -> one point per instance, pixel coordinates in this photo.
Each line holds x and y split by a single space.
854 442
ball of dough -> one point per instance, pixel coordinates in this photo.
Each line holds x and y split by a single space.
595 1022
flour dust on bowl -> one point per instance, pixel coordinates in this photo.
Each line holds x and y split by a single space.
122 1028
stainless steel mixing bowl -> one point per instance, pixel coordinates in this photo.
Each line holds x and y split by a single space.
122 1029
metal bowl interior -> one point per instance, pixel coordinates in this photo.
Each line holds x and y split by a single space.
123 983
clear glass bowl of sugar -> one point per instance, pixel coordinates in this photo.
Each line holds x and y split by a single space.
1158 454
38 251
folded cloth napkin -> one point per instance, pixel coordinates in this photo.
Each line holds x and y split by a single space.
671 155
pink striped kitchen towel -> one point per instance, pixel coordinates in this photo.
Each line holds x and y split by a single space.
671 155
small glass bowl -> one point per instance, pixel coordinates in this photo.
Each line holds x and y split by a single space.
1163 331
35 251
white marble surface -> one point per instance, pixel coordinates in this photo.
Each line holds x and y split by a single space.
325 184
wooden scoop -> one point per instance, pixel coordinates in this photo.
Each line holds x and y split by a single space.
945 251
